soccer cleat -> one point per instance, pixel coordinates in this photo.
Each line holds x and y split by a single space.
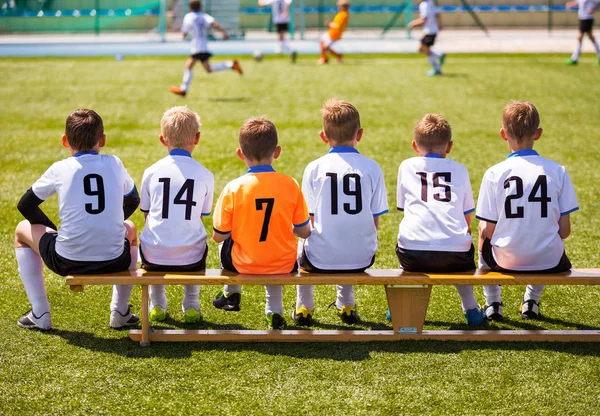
571 62
237 67
433 72
302 316
178 91
228 303
475 316
158 314
30 321
348 315
275 321
530 309
294 56
493 312
322 61
192 315
442 59
119 321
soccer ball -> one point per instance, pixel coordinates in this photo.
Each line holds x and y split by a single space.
258 55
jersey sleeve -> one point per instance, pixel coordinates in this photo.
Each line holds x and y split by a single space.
486 202
128 183
423 10
145 193
223 216
186 26
567 201
45 186
308 190
208 200
399 191
468 201
300 217
209 19
379 203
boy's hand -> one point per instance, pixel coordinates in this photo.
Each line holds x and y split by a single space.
225 36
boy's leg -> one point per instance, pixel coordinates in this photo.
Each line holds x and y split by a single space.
285 46
595 43
190 297
324 43
344 296
230 297
575 56
188 74
158 303
274 306
492 293
30 265
122 293
431 58
222 66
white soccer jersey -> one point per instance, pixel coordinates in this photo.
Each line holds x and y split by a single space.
428 11
344 190
279 10
435 194
525 197
586 9
90 190
176 192
197 24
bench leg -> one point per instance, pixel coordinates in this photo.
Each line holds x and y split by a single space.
145 324
408 306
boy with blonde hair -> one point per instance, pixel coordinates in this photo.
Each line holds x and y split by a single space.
435 194
336 29
256 218
345 193
177 192
524 206
95 197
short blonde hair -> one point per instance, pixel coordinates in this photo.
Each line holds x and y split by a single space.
341 120
258 138
520 120
432 132
179 126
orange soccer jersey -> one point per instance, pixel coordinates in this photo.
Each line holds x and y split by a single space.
260 210
340 21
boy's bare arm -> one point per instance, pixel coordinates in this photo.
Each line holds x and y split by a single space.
220 237
218 27
468 218
302 232
438 19
570 4
489 229
29 207
416 22
564 226
376 221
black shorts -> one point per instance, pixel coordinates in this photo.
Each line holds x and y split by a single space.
564 265
227 261
428 40
308 266
202 56
282 27
436 261
64 267
151 267
585 26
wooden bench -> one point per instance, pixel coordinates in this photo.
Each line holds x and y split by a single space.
407 295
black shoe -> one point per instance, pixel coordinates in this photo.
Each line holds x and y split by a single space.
275 321
530 309
230 303
493 312
347 314
302 316
294 56
120 321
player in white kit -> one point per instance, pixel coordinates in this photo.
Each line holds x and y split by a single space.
429 18
196 24
524 205
95 196
280 12
586 24
436 197
345 194
176 193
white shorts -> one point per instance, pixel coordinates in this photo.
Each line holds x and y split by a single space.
326 40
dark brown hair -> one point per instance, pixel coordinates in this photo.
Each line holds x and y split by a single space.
258 138
84 128
195 5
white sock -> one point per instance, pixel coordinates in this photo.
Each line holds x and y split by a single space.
120 298
134 252
31 270
187 79
190 297
158 296
436 54
285 46
229 289
433 61
534 292
305 296
597 48
467 297
221 66
493 293
274 299
345 296
481 264
576 53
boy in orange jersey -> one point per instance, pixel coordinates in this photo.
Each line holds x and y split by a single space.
336 29
256 218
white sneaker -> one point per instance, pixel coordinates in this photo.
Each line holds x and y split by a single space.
30 321
118 320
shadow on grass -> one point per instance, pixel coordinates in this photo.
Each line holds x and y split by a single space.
230 99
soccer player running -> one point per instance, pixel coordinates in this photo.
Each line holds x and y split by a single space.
586 23
280 11
430 20
196 23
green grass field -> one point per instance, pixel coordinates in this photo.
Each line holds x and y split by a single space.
84 367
